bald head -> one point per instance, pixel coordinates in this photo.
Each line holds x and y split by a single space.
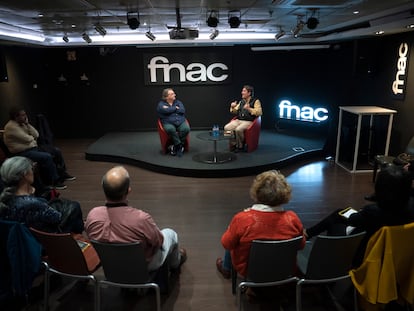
115 184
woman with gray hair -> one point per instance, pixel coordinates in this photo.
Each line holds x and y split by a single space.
18 203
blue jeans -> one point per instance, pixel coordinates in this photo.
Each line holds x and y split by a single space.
177 133
227 260
168 249
45 162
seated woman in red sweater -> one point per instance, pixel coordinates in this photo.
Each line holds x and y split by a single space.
266 219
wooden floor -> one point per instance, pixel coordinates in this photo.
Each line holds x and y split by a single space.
200 210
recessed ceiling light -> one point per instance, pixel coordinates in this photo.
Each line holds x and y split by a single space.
380 32
356 12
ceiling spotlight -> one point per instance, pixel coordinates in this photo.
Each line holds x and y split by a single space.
86 37
214 34
298 28
280 34
100 29
65 38
213 19
313 21
133 20
234 19
150 35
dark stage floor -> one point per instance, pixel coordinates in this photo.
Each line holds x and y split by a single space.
143 149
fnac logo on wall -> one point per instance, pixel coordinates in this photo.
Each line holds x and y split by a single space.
179 69
399 84
304 113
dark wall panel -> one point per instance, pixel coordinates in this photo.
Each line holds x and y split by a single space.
116 97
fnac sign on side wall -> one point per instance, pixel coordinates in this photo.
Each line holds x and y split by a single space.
187 69
401 71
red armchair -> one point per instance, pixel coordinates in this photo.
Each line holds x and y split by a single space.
252 134
166 140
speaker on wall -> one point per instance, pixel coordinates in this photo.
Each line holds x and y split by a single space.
365 58
3 68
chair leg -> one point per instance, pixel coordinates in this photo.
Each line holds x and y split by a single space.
158 297
239 297
97 296
374 173
299 295
46 290
233 274
355 299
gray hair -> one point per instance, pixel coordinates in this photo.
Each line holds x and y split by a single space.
11 172
13 169
165 92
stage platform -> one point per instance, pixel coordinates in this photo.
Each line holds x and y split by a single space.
276 149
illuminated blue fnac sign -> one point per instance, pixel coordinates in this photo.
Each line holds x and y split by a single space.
302 113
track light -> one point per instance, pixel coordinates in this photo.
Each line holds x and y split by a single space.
234 19
100 29
86 37
213 19
65 38
214 34
280 34
150 35
298 28
133 20
313 21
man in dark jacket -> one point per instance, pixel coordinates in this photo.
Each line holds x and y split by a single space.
171 111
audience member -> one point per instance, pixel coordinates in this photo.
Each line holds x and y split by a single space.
247 109
265 219
18 203
171 111
117 222
392 207
21 137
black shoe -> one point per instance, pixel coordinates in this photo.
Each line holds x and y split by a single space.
172 150
180 150
59 186
68 177
371 197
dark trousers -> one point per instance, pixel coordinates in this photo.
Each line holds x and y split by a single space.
44 160
177 133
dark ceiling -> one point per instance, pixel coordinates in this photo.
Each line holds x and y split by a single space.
185 21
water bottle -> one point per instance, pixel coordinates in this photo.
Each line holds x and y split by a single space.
216 130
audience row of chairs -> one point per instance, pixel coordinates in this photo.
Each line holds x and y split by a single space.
124 265
387 274
325 260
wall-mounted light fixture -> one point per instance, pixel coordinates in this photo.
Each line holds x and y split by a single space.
234 18
299 26
150 35
279 34
86 37
133 20
313 21
214 34
100 29
213 19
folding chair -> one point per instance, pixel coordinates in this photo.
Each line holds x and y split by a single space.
67 257
326 260
271 263
125 266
